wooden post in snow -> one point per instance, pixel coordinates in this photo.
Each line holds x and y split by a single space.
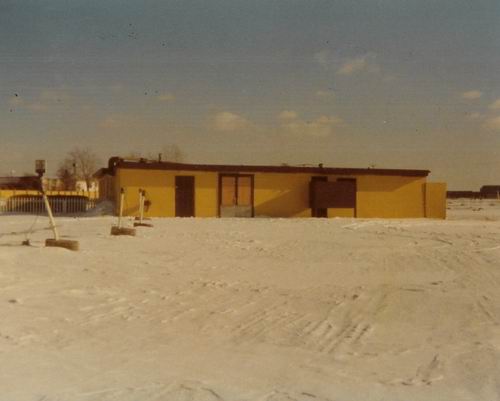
56 241
118 229
49 212
142 200
122 198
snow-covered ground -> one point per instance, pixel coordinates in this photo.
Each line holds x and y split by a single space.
254 310
474 209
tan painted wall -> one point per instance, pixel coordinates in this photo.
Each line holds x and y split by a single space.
276 194
435 200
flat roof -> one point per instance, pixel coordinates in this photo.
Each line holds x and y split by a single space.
143 164
24 182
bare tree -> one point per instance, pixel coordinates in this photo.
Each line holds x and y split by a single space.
172 153
79 164
133 154
67 177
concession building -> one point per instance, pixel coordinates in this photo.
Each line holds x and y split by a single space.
206 190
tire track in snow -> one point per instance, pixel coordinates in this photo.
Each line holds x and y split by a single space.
483 281
356 325
337 329
260 322
178 391
286 396
426 374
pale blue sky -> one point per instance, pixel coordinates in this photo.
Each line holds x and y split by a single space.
390 83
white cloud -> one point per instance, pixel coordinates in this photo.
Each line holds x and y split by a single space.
492 123
287 115
323 57
53 95
44 101
325 93
289 122
471 95
474 116
353 65
320 127
389 78
495 105
16 101
348 66
117 87
113 121
358 64
228 122
166 97
37 106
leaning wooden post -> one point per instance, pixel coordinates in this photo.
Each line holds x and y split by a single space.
49 212
141 205
118 229
142 199
122 198
56 241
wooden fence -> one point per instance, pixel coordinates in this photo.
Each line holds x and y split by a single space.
34 204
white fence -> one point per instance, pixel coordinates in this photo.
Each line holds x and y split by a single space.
33 204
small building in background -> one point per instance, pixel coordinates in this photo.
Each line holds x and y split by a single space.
490 192
201 190
463 194
19 183
486 192
52 184
81 185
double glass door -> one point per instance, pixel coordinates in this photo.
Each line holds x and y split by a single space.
236 195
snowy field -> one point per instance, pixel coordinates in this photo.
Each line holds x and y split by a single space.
254 310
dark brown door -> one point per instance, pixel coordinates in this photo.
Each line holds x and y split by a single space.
350 191
184 196
316 212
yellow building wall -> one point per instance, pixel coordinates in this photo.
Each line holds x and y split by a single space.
390 196
276 194
287 195
281 195
341 212
435 200
160 191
